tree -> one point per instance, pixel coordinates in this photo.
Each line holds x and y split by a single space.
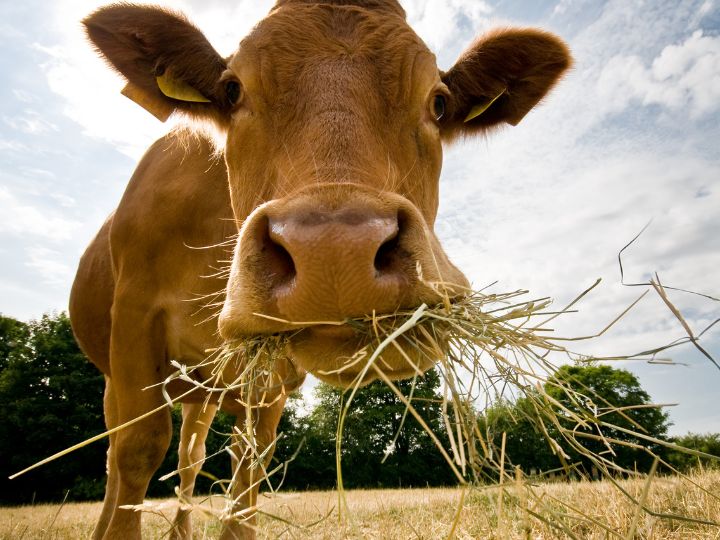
615 397
709 443
595 393
309 440
525 444
372 454
13 339
50 398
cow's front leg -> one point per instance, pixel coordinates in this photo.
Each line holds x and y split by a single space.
111 486
196 421
247 472
137 361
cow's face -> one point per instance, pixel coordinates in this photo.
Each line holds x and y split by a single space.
334 117
334 96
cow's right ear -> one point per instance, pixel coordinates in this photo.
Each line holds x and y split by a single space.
168 63
500 78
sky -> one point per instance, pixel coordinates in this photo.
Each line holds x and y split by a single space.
630 137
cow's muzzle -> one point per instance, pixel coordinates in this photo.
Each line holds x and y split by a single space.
327 254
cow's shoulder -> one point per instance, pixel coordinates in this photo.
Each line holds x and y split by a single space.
176 200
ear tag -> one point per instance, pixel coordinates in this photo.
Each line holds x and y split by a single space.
477 110
177 89
158 108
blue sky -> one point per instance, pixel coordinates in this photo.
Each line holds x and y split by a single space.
631 135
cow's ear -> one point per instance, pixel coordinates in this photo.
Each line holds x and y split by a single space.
501 77
168 63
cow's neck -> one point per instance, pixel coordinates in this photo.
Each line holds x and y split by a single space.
379 5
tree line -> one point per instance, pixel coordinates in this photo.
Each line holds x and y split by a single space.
51 398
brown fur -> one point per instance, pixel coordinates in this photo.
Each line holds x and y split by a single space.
324 205
391 6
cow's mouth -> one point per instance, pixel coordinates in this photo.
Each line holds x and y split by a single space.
345 354
333 331
351 352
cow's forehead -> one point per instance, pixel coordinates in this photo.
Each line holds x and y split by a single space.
311 48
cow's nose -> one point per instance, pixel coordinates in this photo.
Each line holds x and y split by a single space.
341 263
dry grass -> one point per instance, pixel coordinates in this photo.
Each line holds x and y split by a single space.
429 513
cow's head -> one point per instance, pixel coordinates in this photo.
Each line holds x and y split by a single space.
335 114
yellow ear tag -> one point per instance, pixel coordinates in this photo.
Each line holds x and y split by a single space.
177 89
477 110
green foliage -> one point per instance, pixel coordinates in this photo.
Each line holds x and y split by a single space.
50 398
709 443
310 440
617 399
613 396
525 444
13 340
373 420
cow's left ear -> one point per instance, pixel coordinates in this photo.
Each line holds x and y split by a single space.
500 78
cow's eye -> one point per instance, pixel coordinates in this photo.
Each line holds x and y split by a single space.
439 107
233 92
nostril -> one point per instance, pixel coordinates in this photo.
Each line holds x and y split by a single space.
278 262
386 258
392 256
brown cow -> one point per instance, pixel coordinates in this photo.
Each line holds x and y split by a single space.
326 192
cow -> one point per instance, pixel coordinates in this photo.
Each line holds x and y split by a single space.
320 205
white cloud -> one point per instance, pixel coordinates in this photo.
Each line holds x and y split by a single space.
26 300
523 214
10 32
35 172
634 34
437 22
49 265
562 6
12 146
23 96
225 25
30 122
66 201
682 77
705 9
21 219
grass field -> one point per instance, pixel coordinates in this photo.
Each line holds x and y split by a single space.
585 510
